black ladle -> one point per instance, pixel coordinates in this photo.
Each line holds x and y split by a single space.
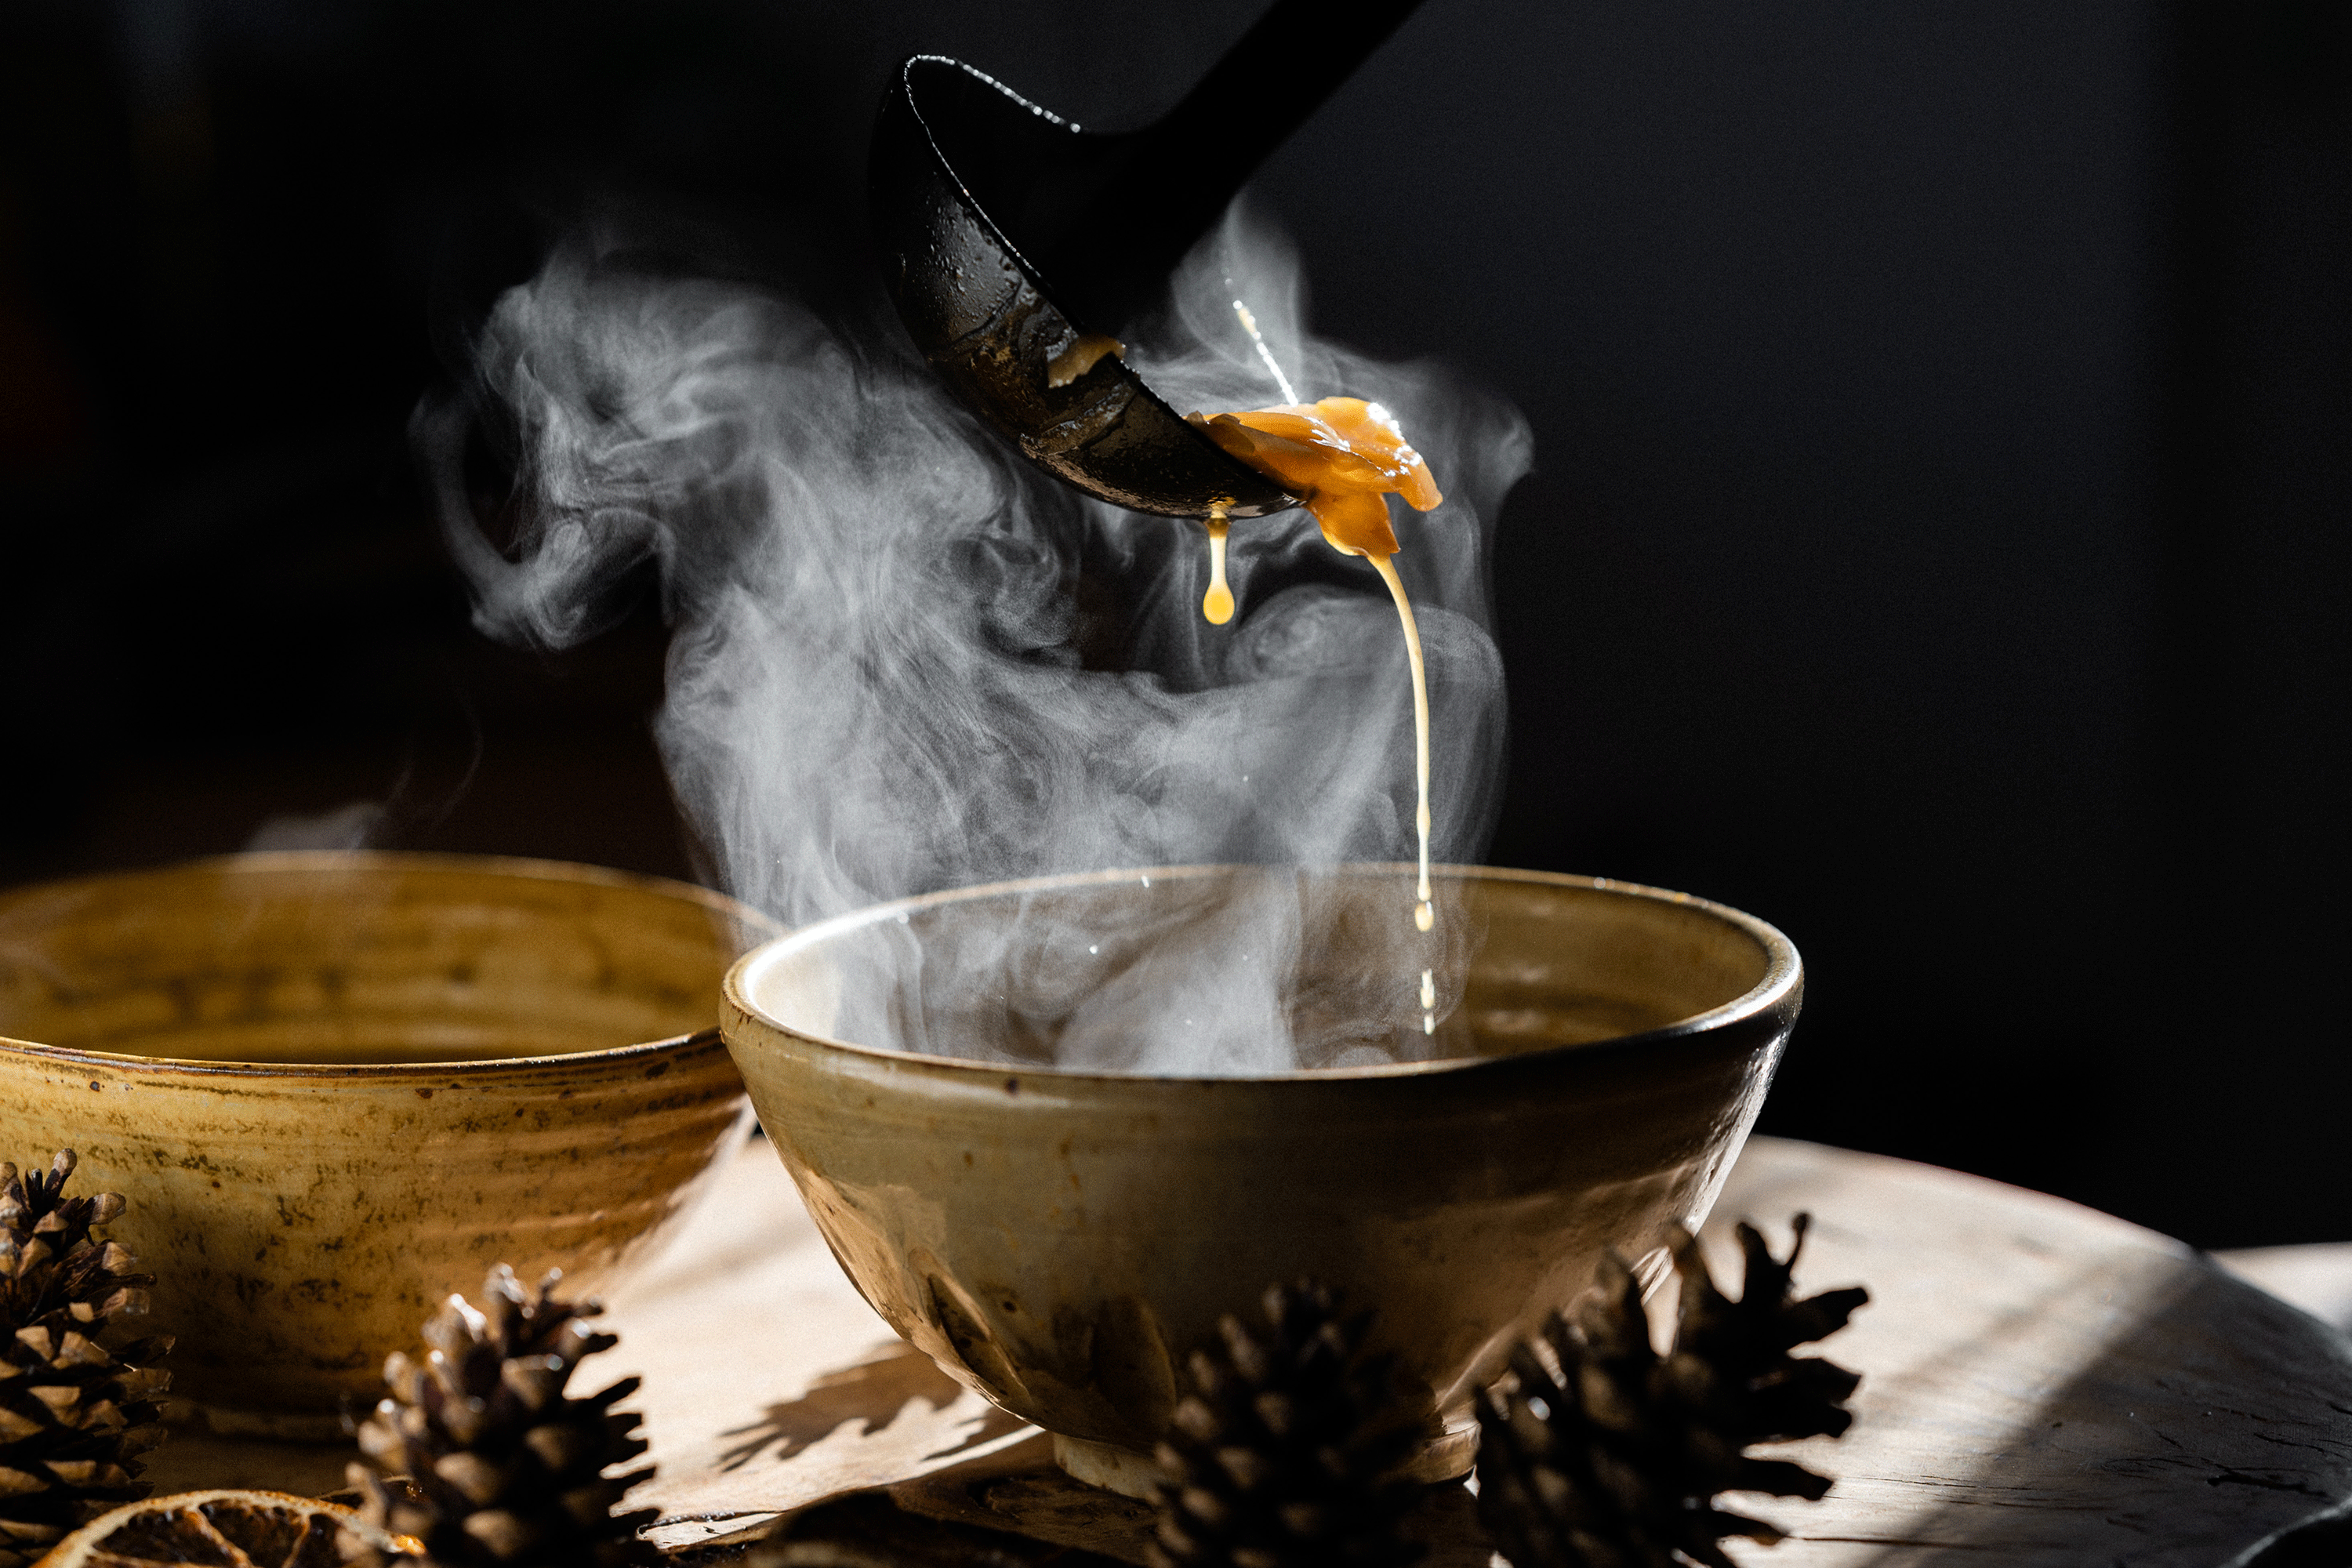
1005 233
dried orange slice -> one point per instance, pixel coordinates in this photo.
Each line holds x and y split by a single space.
220 1530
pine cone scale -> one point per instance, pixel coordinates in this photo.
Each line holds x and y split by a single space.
506 1468
1614 1454
74 1415
1280 1457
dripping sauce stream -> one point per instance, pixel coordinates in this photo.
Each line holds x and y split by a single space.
1424 914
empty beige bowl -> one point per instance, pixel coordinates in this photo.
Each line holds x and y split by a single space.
1059 1240
337 1088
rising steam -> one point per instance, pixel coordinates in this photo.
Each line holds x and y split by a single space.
903 660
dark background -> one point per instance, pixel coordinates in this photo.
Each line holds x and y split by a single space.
1936 544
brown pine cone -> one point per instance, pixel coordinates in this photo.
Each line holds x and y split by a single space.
75 1414
1609 1455
1283 1454
504 1468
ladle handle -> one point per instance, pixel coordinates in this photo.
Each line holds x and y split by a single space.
1175 177
1274 76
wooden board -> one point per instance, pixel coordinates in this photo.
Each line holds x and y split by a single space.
2317 1277
2043 1384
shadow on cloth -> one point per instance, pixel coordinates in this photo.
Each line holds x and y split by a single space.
866 1398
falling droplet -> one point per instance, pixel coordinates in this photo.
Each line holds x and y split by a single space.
1424 915
1217 603
1428 990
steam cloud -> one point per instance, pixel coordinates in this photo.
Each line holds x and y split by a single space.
905 661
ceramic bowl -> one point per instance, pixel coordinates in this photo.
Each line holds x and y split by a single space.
336 1087
1060 1240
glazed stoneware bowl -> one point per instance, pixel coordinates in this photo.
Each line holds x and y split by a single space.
335 1088
1060 1239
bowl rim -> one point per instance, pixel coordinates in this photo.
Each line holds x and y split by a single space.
517 866
1780 986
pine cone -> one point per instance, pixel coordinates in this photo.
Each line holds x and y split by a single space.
1282 1456
504 1468
1614 1460
74 1415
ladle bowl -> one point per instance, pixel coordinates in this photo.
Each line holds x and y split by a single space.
1061 1240
979 197
980 313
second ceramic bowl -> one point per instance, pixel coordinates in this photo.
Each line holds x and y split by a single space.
337 1088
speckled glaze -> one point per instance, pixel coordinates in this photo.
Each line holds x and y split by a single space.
1059 1241
337 1088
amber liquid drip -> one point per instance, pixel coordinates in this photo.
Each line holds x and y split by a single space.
1217 603
1425 913
1343 457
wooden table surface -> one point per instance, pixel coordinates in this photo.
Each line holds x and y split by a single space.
2042 1383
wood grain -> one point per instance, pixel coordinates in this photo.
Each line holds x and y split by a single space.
2043 1384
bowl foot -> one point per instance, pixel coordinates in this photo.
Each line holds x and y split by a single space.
1133 1474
